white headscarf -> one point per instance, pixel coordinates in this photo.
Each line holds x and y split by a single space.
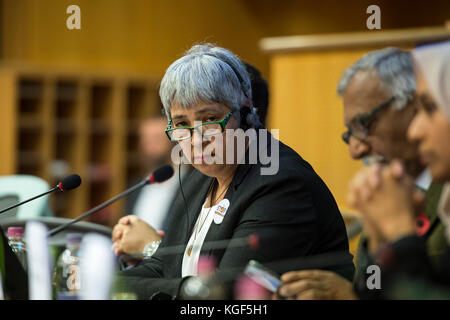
433 61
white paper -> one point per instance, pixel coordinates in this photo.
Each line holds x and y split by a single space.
97 267
38 259
2 297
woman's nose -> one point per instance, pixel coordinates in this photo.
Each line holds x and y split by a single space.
198 140
416 128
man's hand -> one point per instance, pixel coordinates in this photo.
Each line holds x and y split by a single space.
131 234
315 285
384 196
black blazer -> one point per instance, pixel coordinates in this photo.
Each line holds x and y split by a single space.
293 209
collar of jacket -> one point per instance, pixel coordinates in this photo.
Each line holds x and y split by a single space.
432 196
241 172
243 169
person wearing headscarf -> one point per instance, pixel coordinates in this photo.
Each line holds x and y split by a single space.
384 194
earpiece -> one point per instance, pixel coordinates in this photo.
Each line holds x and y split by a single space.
249 118
246 119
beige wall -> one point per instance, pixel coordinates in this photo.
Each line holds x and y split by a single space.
147 35
132 35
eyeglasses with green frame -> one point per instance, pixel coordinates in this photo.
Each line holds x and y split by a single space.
359 126
206 129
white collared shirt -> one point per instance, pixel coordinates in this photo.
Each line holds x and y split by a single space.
201 228
154 201
423 181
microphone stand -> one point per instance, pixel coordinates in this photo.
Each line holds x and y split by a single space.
28 200
97 208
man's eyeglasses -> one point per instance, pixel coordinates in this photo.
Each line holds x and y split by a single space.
359 126
206 129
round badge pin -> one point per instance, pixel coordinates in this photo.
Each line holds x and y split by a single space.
221 210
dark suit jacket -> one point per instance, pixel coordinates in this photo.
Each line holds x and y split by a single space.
293 209
407 272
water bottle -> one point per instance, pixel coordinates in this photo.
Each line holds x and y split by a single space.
205 286
17 244
247 289
66 277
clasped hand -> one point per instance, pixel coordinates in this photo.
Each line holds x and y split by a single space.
385 197
131 234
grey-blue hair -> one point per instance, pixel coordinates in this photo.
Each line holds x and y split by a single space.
206 74
395 70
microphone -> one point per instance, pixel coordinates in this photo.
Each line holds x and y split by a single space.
160 175
68 183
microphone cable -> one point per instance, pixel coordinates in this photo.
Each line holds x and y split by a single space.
185 202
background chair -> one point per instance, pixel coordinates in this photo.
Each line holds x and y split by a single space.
17 188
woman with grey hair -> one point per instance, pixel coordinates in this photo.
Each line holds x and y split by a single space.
225 200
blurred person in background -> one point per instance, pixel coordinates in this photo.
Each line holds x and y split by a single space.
378 92
260 92
151 204
293 206
151 207
384 194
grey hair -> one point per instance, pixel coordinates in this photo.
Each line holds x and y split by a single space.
395 70
206 74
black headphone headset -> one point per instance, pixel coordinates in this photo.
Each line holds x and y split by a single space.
248 118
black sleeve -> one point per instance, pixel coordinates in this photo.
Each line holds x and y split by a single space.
363 257
147 278
285 215
406 272
407 255
442 268
16 279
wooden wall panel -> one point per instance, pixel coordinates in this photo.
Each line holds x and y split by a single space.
8 138
309 113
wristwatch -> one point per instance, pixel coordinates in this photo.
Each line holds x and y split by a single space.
150 248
